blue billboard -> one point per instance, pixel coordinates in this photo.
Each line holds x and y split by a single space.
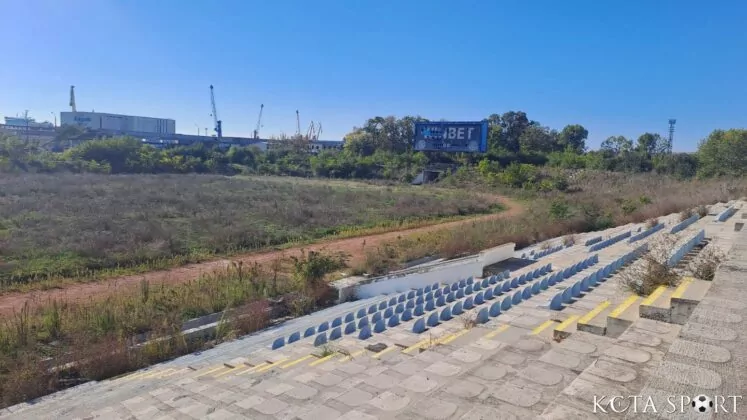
442 136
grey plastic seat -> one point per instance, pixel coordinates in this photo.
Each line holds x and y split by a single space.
309 332
364 333
419 326
320 339
457 309
468 303
432 319
506 304
445 314
557 302
279 342
379 326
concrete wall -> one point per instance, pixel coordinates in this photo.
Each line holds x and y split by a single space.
445 272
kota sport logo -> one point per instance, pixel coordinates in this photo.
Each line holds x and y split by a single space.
673 404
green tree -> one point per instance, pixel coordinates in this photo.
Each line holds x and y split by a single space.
723 153
537 139
614 145
513 124
649 144
574 137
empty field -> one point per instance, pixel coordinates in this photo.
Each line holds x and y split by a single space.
77 225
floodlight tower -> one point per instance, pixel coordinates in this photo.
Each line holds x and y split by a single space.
672 122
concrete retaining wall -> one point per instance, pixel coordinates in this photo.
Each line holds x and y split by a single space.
442 272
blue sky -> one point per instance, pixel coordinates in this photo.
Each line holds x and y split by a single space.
618 68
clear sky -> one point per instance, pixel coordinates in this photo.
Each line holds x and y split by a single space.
618 68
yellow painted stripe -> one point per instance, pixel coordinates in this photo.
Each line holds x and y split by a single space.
594 312
174 372
542 327
156 373
254 368
136 375
452 337
623 306
352 355
272 365
322 360
297 361
385 351
226 372
680 290
415 346
497 331
211 371
567 323
654 295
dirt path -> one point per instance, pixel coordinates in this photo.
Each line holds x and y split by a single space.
353 247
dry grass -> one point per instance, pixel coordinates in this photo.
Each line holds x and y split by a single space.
652 270
601 200
705 264
82 225
103 338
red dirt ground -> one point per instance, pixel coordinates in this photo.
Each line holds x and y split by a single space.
354 247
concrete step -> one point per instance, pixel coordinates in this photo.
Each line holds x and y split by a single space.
686 297
623 316
674 305
656 305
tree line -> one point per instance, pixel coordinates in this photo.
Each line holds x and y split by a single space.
382 149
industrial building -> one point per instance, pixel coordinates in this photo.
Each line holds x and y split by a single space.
120 123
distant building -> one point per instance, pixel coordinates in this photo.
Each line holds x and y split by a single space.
312 146
116 122
28 129
27 122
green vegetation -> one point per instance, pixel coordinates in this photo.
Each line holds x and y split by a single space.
105 338
381 149
78 225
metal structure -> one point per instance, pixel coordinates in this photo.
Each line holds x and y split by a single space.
298 124
218 123
72 99
259 122
672 122
443 136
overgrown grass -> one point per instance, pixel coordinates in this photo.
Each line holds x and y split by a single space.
600 200
79 226
103 338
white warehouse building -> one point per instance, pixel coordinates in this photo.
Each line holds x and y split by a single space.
101 121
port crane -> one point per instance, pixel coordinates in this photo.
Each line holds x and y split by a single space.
259 122
218 123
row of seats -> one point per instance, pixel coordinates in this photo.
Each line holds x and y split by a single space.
688 246
646 233
396 304
592 241
567 295
546 252
724 215
463 295
684 224
433 319
607 242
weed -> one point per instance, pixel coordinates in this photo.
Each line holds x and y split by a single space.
569 240
702 211
705 264
686 214
651 223
469 321
652 270
326 350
